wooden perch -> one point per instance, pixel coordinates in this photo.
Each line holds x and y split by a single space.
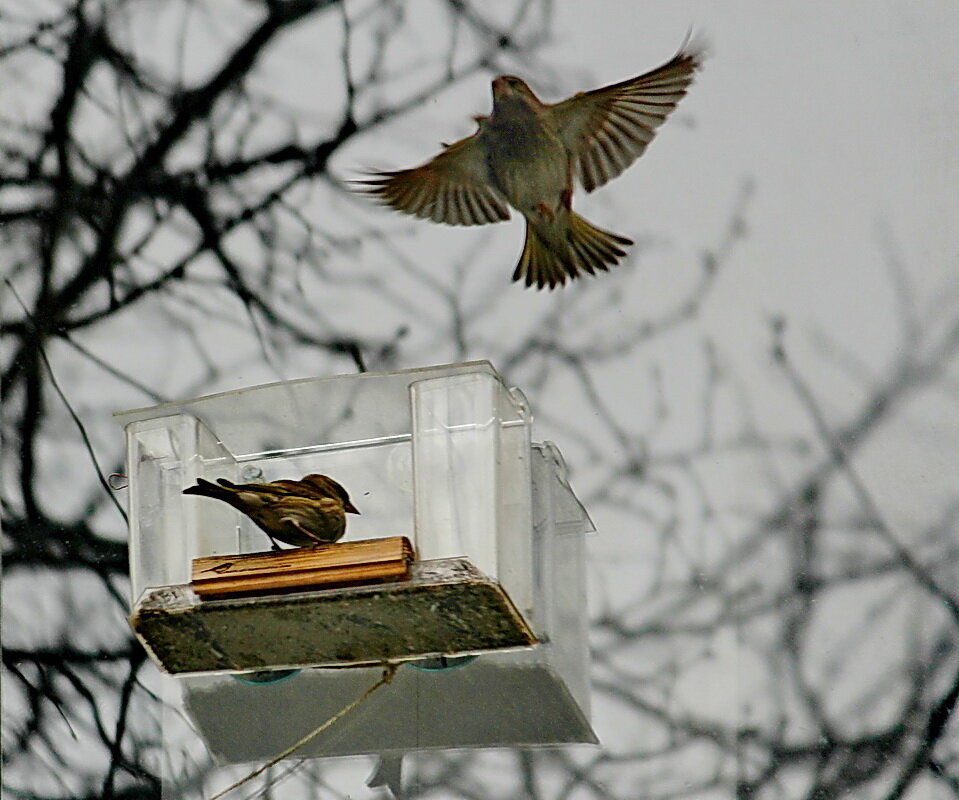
348 563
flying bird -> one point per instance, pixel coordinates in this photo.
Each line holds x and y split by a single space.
311 511
526 153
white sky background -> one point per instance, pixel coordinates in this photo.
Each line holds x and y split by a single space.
843 117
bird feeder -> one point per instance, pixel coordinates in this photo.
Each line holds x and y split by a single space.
465 566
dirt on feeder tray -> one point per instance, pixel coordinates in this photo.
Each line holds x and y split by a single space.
446 607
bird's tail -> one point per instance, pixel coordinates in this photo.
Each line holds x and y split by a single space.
206 489
586 248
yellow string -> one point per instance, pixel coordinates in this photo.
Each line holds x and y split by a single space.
389 670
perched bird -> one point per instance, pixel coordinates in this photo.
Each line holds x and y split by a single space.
526 153
311 511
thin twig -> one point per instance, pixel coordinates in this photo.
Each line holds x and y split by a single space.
80 426
862 493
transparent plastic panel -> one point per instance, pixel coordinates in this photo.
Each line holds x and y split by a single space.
164 455
456 432
309 415
559 526
471 479
514 523
355 428
498 700
543 619
377 476
569 642
568 514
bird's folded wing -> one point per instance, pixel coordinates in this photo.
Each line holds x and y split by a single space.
273 489
607 129
452 188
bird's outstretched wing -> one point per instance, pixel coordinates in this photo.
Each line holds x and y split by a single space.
607 129
452 188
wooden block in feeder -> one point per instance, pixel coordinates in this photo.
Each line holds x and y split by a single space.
370 561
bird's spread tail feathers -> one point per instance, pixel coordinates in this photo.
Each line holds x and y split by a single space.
587 249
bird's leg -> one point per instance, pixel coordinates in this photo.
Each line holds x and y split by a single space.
544 212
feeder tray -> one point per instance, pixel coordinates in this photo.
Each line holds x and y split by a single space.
447 607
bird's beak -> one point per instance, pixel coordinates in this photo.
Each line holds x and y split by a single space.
349 508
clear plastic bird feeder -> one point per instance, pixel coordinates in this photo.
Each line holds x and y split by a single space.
440 455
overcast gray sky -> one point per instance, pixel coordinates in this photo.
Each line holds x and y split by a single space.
831 126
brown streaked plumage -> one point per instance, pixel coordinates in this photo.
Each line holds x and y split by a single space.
311 511
526 153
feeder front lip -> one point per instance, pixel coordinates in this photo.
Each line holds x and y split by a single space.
448 607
